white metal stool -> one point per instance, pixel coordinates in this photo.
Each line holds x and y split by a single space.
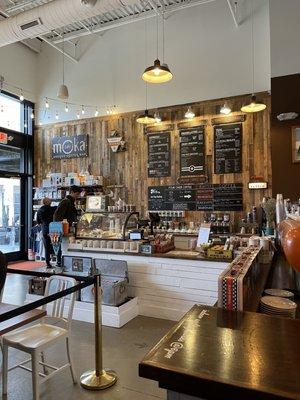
35 339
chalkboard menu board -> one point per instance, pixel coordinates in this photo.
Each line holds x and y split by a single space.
159 154
192 151
217 197
228 197
228 148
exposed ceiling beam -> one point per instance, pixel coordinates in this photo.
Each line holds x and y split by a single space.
233 12
67 55
101 27
20 6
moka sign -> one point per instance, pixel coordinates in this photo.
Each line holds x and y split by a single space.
70 146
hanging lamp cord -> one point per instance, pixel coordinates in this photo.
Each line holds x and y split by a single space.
252 37
146 56
157 30
63 45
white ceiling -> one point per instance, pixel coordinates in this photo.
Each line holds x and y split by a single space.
101 23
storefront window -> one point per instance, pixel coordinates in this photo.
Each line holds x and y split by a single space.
10 113
11 159
10 214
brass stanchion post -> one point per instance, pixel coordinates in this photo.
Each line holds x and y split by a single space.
98 378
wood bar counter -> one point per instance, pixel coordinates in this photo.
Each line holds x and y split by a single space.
216 355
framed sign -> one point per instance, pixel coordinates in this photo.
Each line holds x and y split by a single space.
296 144
192 151
159 154
69 146
228 149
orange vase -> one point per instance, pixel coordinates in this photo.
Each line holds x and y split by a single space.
289 231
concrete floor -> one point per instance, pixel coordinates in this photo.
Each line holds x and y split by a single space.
123 349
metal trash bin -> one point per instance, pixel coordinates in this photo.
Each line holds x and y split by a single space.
114 282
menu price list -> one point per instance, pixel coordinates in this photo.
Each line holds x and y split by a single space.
159 154
228 148
207 197
192 149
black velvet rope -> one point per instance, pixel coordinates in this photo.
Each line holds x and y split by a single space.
45 300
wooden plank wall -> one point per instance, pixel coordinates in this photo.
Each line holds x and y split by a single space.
129 168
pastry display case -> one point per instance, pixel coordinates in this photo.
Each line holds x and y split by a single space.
106 225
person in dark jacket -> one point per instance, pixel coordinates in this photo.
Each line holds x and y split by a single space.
67 210
44 217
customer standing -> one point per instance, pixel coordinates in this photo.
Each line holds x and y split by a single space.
44 217
67 210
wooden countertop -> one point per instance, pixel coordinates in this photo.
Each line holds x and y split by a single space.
186 255
220 355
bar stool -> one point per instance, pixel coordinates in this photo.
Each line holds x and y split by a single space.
35 339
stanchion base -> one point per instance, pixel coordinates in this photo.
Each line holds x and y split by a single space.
89 380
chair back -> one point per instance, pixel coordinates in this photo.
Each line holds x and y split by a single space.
60 307
3 272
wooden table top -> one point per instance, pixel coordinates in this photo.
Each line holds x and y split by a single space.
20 320
217 354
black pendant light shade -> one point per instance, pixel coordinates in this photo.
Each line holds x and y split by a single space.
146 118
253 106
157 73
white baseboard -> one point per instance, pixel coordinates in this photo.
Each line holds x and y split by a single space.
111 316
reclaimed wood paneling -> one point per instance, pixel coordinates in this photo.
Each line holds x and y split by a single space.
129 168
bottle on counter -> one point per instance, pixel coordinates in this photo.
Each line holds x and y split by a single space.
280 211
65 226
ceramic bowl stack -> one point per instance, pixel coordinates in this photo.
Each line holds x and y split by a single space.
278 306
279 293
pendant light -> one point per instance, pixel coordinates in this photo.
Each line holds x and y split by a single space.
254 106
63 92
146 118
189 114
158 73
225 109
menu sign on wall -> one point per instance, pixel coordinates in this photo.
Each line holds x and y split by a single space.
159 154
228 148
69 146
207 197
192 151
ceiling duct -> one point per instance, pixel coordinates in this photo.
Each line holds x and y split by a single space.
50 16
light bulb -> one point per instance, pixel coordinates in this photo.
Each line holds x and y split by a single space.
156 71
157 118
189 114
82 110
66 108
96 112
225 109
21 96
47 105
25 125
56 115
32 115
78 115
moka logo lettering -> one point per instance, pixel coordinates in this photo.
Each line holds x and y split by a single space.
70 146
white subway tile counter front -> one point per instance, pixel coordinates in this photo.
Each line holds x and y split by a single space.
167 287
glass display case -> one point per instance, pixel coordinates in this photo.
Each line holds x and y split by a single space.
106 225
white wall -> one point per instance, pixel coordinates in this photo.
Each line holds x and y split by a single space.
209 56
18 66
285 37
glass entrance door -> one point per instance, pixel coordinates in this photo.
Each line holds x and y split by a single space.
10 215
